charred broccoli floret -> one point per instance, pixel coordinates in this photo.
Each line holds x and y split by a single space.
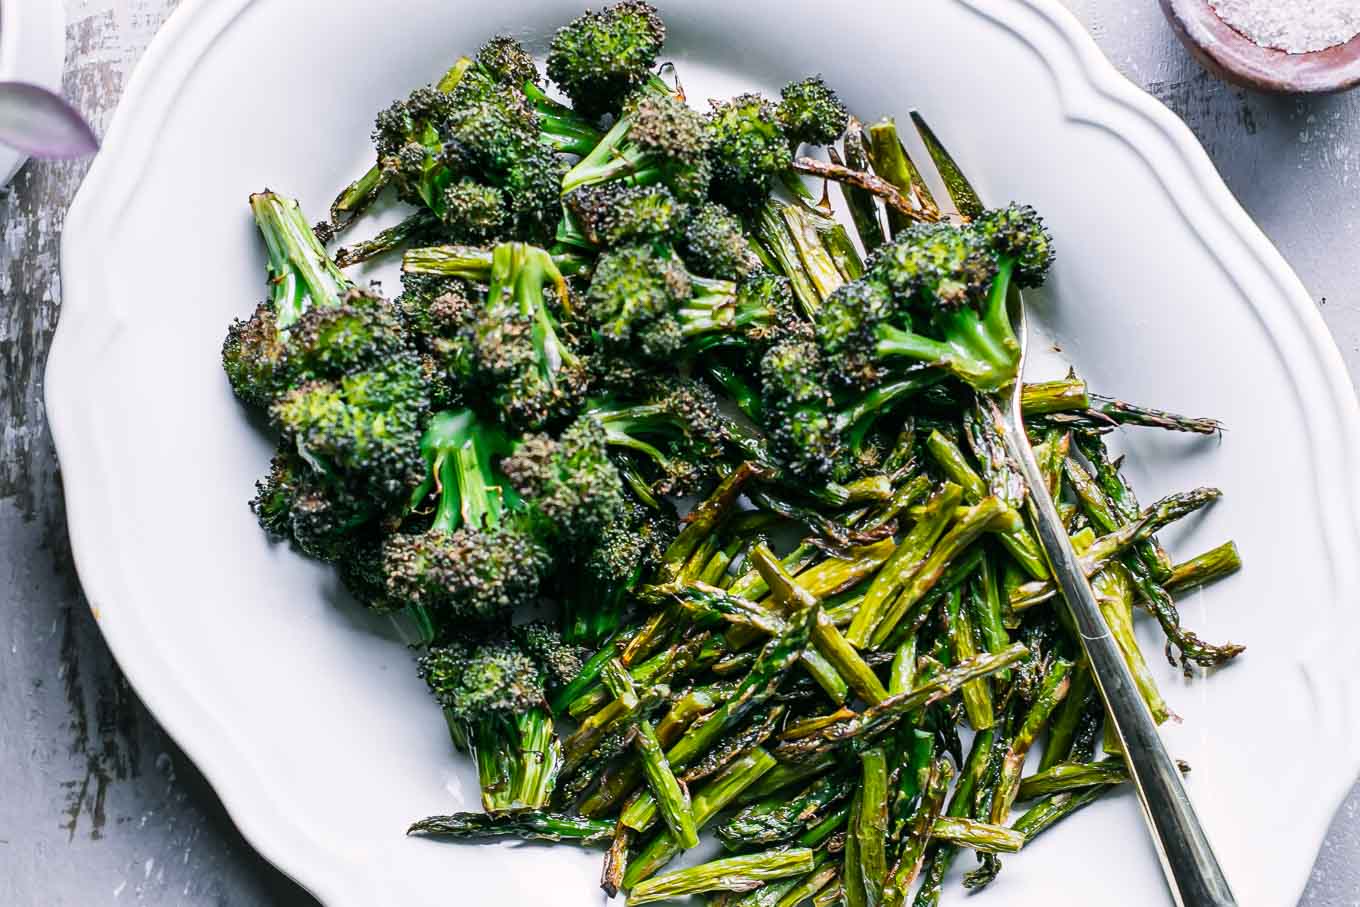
614 214
811 113
813 430
476 157
714 244
628 550
658 139
560 659
599 58
642 299
492 693
676 434
510 347
568 481
482 555
294 503
361 430
748 148
937 295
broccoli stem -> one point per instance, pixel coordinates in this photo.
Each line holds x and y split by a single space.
301 274
412 228
355 198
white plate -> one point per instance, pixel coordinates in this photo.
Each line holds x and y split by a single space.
307 716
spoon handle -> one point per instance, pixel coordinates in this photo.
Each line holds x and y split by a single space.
1191 869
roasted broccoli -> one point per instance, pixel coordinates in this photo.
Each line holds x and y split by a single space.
748 148
811 113
483 554
509 348
492 692
599 58
257 352
642 298
938 294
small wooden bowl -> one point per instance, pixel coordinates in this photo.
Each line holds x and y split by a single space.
1228 53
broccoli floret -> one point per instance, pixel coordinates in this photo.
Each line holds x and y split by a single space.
492 693
1023 245
632 300
642 301
560 660
599 58
798 407
361 430
811 113
436 146
568 481
715 245
748 149
658 139
256 353
628 550
677 434
482 555
506 60
614 214
937 295
295 503
509 348
815 431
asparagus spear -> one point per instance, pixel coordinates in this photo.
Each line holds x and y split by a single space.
672 797
1017 540
1205 568
1054 396
794 598
757 687
909 861
780 818
869 827
711 799
1054 688
728 874
891 162
863 206
527 825
616 861
879 718
1075 775
1043 815
1167 510
988 514
1081 698
977 694
906 561
758 730
980 836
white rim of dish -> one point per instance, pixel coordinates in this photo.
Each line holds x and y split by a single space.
33 50
1092 92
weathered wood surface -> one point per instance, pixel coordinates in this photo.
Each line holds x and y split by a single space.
99 807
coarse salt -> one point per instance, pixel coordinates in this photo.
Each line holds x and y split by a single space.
1294 26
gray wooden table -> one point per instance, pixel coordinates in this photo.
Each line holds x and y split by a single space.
99 807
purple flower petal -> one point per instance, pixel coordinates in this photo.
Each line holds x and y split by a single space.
41 124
